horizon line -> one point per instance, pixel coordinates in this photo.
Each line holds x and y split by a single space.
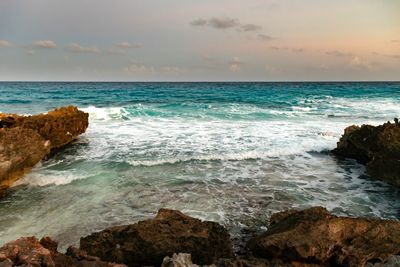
194 81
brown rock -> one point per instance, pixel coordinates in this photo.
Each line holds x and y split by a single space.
60 126
148 242
20 150
316 236
25 140
181 260
377 147
260 262
28 251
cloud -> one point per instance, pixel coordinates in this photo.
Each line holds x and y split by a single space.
276 48
135 69
386 55
123 47
359 63
336 53
199 22
127 45
5 43
264 37
290 49
77 48
217 23
250 27
223 23
173 70
48 44
297 50
229 23
235 64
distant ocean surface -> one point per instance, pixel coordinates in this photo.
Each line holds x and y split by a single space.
229 152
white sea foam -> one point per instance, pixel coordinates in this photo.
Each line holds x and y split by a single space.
36 178
138 137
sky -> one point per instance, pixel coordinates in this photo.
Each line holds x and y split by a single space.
207 40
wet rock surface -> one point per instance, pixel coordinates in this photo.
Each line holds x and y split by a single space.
29 251
378 147
308 238
148 242
20 150
25 140
314 236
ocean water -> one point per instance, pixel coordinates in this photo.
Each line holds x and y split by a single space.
233 153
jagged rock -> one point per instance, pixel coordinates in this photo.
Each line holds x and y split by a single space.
148 242
20 150
25 140
28 251
376 146
315 236
60 126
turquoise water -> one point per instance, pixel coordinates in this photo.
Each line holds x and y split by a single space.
228 152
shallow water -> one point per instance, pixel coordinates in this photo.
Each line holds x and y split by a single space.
228 152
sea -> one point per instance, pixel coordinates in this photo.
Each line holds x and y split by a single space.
233 153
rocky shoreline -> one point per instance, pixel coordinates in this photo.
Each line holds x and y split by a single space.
378 147
26 140
311 237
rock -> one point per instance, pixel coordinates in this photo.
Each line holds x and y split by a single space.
181 260
376 146
260 262
315 236
20 150
148 242
60 126
25 140
6 121
28 251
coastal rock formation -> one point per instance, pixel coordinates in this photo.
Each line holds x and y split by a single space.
376 146
25 140
60 126
20 150
29 251
148 242
314 236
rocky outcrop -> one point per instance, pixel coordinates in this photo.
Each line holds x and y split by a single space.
25 140
60 126
29 251
376 146
20 150
148 242
308 238
314 236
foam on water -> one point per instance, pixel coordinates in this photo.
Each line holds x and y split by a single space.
229 157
